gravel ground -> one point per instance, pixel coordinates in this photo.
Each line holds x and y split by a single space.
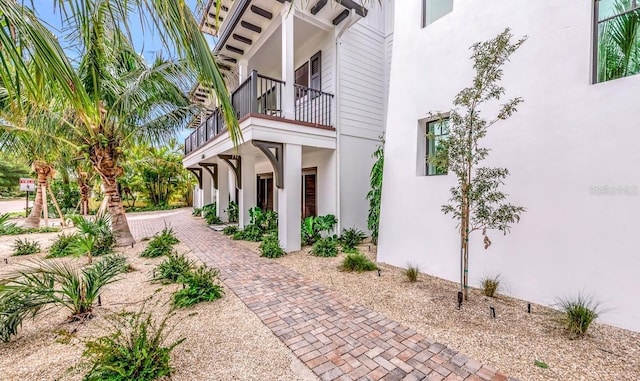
225 341
510 343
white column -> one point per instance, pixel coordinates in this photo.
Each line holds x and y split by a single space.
290 199
222 199
243 65
247 194
232 186
288 73
207 186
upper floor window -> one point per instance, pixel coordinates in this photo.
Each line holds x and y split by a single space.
437 133
432 10
618 39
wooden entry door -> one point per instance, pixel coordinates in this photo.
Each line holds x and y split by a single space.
265 191
309 199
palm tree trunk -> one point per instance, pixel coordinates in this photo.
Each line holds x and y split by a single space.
84 193
43 170
106 167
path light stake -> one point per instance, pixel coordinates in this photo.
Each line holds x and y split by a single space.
379 271
493 312
529 308
99 301
460 295
6 261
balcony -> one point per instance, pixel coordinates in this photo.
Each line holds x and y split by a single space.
261 96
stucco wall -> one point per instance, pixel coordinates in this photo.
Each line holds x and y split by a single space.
569 140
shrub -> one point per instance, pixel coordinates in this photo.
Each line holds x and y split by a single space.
578 313
161 244
212 219
201 286
230 230
54 283
134 350
350 250
197 212
174 266
313 227
412 273
490 285
95 236
357 262
233 212
270 222
325 247
351 238
270 247
25 247
250 233
62 246
6 227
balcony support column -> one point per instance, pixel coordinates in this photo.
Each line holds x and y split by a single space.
290 199
243 67
222 196
247 192
288 72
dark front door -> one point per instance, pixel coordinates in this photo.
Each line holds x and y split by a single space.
309 177
265 191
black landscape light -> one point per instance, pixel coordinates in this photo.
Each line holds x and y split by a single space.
379 272
493 312
6 261
529 308
459 299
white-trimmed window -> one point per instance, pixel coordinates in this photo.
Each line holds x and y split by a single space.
616 39
437 131
433 10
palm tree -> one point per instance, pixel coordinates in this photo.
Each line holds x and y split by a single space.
619 44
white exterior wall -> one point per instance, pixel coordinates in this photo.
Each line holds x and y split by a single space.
569 136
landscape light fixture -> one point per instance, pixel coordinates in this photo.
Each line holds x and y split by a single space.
493 312
529 308
459 299
379 272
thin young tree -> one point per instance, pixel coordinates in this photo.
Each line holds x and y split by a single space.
476 200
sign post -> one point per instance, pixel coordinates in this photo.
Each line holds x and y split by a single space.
27 185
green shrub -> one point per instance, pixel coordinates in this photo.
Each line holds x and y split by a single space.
578 313
233 212
174 266
270 247
62 246
25 247
95 237
250 233
325 247
350 250
270 222
200 286
357 262
134 350
312 227
230 230
197 212
490 285
212 219
6 227
351 238
412 273
161 244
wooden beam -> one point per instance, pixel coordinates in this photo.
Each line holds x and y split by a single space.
222 7
197 172
230 59
235 167
213 16
350 4
277 160
213 173
233 49
251 27
240 38
341 17
262 12
319 5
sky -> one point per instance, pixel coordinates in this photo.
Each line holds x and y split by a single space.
146 42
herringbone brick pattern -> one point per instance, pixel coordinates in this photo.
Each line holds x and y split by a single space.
335 337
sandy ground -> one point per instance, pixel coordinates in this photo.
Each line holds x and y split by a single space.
225 341
510 343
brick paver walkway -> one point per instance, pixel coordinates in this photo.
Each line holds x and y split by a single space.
335 337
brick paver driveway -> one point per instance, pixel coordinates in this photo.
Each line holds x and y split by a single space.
335 337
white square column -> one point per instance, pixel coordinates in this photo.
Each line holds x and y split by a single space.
243 65
247 193
288 72
222 195
207 187
290 199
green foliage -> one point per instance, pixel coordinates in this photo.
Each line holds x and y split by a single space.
412 272
46 284
578 313
7 227
251 233
197 212
374 196
200 286
134 350
476 201
266 220
67 194
541 364
230 230
25 247
270 247
212 219
210 214
490 285
312 227
233 212
62 246
161 244
10 174
351 238
325 247
95 237
173 267
619 43
357 262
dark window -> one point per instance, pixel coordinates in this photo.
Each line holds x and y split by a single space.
617 39
315 82
437 132
302 75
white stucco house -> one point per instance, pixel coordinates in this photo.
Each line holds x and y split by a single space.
311 102
572 150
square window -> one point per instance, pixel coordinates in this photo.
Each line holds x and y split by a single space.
433 10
